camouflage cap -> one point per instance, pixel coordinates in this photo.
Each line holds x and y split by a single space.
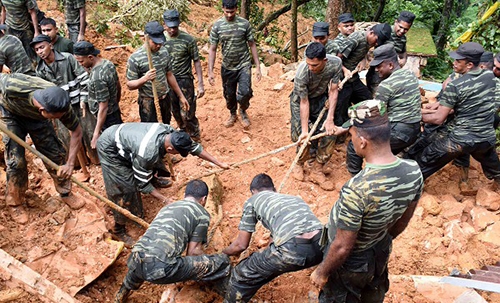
383 32
40 38
471 51
54 99
486 57
171 18
346 17
320 29
367 114
182 142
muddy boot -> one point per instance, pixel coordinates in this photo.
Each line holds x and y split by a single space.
465 188
232 119
73 201
120 234
122 295
245 121
161 182
19 214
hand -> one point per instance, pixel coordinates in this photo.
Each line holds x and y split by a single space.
433 106
317 279
150 74
201 90
184 103
211 79
258 74
224 165
93 143
167 201
347 74
329 127
81 37
427 111
65 171
302 137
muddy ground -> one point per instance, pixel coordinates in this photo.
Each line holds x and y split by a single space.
446 232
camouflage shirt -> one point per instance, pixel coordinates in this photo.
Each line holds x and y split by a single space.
373 200
103 82
399 42
182 50
17 97
337 44
310 85
284 216
13 55
234 37
354 49
66 73
401 94
72 11
17 13
173 228
63 45
472 97
138 66
142 144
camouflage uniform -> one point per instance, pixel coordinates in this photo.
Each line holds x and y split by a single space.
314 87
286 217
63 45
130 153
72 17
399 42
337 44
472 97
157 256
137 67
401 93
236 70
183 50
369 204
103 81
14 56
23 118
18 19
354 50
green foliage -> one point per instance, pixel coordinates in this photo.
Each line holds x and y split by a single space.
427 12
438 68
315 9
99 13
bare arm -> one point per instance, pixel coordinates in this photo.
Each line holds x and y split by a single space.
208 157
402 223
75 144
34 19
304 118
150 75
333 92
101 118
194 249
2 16
212 52
239 244
177 90
118 91
83 24
199 74
436 117
158 195
255 56
402 59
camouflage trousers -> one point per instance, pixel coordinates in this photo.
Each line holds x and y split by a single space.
353 92
45 140
434 151
186 121
147 109
363 278
402 136
73 31
262 267
26 36
142 267
237 87
321 149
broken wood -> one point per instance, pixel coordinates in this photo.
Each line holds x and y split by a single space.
115 46
16 274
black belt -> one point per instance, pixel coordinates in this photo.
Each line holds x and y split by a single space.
308 241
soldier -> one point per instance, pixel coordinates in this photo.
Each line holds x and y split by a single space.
398 35
472 98
374 207
13 55
345 27
295 244
320 33
27 104
48 27
157 256
75 15
140 77
17 14
353 53
104 88
316 81
400 92
234 33
496 67
131 154
486 61
183 49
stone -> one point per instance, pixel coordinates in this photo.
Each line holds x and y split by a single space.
485 197
430 204
451 208
278 87
277 161
490 235
436 221
245 139
275 70
263 70
289 76
435 291
481 218
470 296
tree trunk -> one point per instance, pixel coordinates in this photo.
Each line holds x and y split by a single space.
293 34
333 10
245 9
380 10
444 24
274 15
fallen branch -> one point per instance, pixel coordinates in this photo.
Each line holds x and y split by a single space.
278 13
115 46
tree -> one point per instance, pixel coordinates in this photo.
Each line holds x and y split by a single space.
333 10
274 15
245 9
293 34
444 25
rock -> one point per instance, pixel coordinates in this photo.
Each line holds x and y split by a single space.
493 206
52 204
277 162
490 235
469 204
486 197
481 218
263 70
458 236
436 221
289 76
451 208
194 294
278 87
470 296
435 291
276 70
245 139
61 215
419 212
430 204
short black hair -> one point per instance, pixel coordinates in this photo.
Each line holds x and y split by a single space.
315 50
196 189
262 182
489 64
376 134
229 4
48 21
497 56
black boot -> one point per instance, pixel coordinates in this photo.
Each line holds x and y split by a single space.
120 234
122 294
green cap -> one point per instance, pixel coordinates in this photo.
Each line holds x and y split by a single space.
367 114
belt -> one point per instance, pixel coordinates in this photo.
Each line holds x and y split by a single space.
307 241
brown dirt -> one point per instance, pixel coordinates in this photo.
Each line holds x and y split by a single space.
423 249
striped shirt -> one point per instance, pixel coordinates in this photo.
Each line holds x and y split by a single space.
17 13
182 50
310 85
284 216
373 200
72 11
13 55
354 50
173 228
234 37
103 87
399 42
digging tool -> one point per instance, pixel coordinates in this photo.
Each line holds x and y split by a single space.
49 162
157 103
